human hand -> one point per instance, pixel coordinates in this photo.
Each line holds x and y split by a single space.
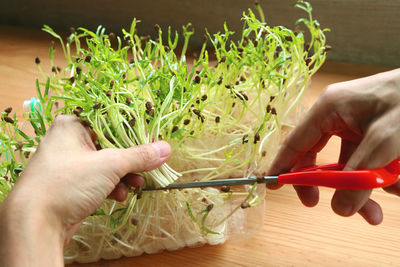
70 179
365 113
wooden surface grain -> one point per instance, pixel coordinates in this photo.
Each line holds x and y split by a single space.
292 235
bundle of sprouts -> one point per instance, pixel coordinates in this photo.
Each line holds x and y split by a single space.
223 118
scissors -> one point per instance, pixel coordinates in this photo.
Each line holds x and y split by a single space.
327 175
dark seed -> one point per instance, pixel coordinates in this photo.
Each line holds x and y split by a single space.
273 111
109 92
174 129
78 70
223 59
78 111
219 81
197 79
8 110
228 86
150 112
72 79
256 3
307 46
27 154
288 38
98 147
256 138
111 36
245 138
8 119
97 106
147 121
37 60
217 119
308 61
271 98
197 101
260 180
245 205
132 122
186 122
197 112
268 108
233 104
225 188
131 61
149 105
192 133
58 69
88 58
134 221
264 153
210 207
111 84
237 83
128 100
53 69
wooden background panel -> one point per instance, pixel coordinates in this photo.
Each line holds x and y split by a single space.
363 31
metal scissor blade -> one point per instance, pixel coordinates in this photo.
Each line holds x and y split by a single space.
222 182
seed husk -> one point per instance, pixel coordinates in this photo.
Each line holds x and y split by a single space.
8 119
186 122
204 98
256 138
217 119
225 188
210 207
88 58
245 138
288 38
197 79
132 122
27 154
134 221
128 100
37 60
8 110
245 205
174 129
78 70
149 105
273 111
97 106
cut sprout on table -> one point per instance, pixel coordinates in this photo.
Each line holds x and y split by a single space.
222 118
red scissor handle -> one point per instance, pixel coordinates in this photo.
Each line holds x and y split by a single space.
332 175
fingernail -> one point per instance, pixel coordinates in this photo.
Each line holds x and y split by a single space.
163 148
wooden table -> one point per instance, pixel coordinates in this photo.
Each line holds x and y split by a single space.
292 235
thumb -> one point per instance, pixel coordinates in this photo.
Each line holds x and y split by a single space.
135 159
